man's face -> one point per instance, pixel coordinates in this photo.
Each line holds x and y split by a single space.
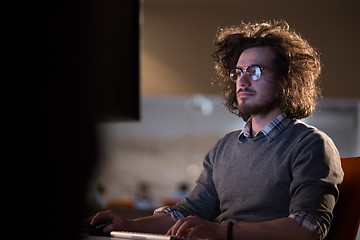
256 97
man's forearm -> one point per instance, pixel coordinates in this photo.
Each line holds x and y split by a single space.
159 223
282 228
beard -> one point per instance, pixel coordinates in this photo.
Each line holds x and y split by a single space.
262 107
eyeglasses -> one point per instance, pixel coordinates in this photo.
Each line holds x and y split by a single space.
253 71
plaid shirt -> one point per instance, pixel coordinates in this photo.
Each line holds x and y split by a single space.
271 131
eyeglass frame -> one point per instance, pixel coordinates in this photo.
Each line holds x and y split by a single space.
247 72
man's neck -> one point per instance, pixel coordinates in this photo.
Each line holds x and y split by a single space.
259 121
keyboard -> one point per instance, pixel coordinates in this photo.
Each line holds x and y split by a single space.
145 236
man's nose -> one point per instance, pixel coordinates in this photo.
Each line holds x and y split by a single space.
244 81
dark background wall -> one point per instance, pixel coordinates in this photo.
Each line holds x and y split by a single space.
68 65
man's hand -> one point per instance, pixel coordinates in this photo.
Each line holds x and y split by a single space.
196 227
159 223
115 221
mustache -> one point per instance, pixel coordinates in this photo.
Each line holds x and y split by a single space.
246 89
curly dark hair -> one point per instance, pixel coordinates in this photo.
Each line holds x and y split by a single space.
297 65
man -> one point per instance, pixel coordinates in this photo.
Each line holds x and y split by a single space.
278 177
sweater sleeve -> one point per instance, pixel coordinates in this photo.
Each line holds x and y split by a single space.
316 174
203 200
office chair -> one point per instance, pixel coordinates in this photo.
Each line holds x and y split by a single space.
346 220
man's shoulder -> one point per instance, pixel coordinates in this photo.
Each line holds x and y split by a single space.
305 131
232 135
229 137
301 126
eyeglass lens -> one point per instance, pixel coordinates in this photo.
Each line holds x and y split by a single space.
254 72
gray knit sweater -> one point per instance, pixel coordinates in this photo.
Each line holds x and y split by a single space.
260 179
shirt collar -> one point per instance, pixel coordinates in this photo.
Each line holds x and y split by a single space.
271 131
